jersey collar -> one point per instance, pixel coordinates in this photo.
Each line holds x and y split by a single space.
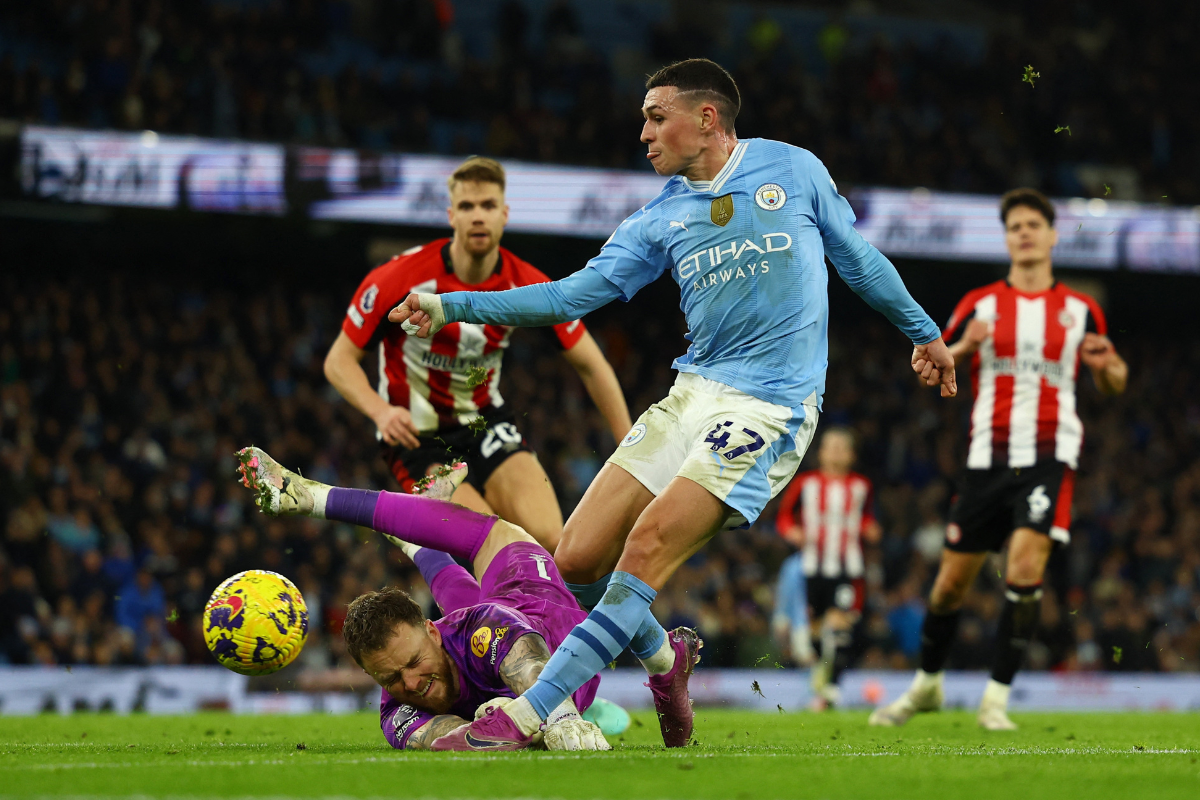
718 183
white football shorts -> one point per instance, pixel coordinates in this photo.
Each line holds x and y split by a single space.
741 449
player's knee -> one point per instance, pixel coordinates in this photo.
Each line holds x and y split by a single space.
1025 570
948 593
505 533
575 564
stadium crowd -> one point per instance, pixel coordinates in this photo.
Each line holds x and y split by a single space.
122 403
1108 84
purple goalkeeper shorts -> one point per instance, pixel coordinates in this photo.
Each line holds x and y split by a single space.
523 572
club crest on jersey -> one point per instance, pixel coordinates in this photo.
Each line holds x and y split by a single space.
635 435
367 303
770 197
1066 319
722 210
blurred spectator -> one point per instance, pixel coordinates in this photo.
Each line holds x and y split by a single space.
883 100
190 375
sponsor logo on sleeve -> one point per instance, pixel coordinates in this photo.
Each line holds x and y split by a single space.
355 316
480 640
770 197
953 533
367 302
403 719
499 637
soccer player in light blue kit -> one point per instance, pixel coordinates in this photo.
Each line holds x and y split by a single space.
744 229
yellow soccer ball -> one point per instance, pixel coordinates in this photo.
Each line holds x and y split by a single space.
256 622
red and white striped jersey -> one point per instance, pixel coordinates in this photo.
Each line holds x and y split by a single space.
833 512
429 376
1024 373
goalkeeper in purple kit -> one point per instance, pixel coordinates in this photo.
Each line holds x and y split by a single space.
499 630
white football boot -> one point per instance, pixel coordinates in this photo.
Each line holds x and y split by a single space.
442 482
925 694
279 492
993 709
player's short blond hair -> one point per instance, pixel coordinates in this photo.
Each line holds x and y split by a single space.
477 169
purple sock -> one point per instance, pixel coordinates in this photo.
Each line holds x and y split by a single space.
452 586
356 506
425 522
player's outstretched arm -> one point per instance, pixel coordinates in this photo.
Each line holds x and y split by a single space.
439 726
530 306
343 369
873 278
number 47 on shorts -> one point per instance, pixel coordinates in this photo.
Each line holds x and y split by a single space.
718 437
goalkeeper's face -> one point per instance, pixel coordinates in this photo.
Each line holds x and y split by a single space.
414 668
478 216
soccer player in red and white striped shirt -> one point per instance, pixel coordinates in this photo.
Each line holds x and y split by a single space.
1026 337
433 392
835 518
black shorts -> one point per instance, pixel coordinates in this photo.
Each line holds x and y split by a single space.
846 594
483 451
992 503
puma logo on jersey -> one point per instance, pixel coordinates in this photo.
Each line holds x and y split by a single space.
677 224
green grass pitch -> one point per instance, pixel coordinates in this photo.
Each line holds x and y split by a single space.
739 755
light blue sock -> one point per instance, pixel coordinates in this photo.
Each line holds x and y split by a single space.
649 636
593 643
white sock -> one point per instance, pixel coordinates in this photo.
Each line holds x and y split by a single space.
410 550
663 659
320 493
566 710
923 680
521 712
995 695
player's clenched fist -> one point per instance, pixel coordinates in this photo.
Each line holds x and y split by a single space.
574 734
934 363
420 315
1097 351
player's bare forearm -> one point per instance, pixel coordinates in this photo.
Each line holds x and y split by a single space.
524 663
962 350
1113 377
424 737
343 369
601 383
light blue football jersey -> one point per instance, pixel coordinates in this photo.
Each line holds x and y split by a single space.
747 251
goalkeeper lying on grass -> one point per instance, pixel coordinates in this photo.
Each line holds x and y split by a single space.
438 675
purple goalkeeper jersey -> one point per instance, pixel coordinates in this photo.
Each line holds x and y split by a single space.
477 639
